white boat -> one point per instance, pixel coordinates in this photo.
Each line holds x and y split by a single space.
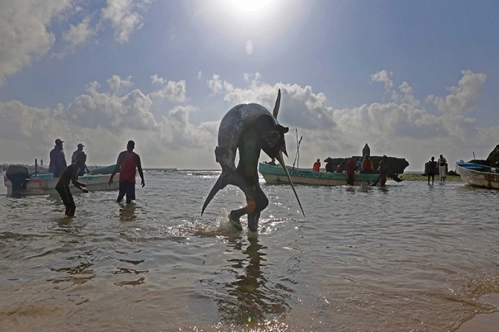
477 175
43 184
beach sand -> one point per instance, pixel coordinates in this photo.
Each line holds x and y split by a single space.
483 322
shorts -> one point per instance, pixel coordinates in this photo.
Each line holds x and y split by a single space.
127 188
65 193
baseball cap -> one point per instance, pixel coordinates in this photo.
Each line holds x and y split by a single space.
58 141
80 145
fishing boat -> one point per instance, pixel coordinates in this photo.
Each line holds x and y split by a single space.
20 183
477 175
102 170
274 174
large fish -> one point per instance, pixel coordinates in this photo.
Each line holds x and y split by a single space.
251 128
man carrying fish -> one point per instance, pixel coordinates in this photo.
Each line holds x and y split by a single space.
249 128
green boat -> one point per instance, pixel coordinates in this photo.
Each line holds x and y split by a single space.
274 174
103 170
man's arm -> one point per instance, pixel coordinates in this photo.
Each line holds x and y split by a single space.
121 157
74 177
139 167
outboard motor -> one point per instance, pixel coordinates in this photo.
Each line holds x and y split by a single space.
18 176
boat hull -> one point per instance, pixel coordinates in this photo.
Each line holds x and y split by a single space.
276 175
45 184
478 175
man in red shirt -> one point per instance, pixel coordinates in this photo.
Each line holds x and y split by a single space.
317 165
367 165
127 164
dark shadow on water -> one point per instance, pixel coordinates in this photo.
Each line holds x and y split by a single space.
252 298
127 212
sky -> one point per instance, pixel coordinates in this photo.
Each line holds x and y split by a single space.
413 79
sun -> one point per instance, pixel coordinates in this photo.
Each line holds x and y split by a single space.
250 5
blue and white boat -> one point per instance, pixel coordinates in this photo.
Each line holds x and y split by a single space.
276 175
477 175
20 182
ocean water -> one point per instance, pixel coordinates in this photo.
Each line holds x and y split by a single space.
408 257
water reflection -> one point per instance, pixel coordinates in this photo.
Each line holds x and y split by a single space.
127 212
252 297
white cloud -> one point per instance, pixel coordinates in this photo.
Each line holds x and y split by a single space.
384 77
341 132
105 110
403 128
123 17
218 86
248 77
79 34
249 47
24 33
200 75
173 91
463 98
156 79
118 85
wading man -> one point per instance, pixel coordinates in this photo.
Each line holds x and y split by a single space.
127 164
70 174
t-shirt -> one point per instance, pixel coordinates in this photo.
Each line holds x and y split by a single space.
128 168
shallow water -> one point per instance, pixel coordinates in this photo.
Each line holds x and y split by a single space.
407 257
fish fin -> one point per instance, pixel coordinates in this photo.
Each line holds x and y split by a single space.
227 177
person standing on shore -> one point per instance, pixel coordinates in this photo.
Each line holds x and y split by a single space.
127 164
351 165
383 170
442 168
432 169
70 174
57 159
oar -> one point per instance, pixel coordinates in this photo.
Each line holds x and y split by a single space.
375 182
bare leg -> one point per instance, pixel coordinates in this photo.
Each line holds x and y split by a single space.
72 210
253 219
261 204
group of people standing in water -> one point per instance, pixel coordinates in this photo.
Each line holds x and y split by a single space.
440 165
127 165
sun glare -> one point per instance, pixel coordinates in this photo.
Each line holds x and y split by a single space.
250 5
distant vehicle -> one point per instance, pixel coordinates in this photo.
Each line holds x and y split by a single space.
477 175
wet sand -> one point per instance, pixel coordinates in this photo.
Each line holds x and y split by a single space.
484 322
